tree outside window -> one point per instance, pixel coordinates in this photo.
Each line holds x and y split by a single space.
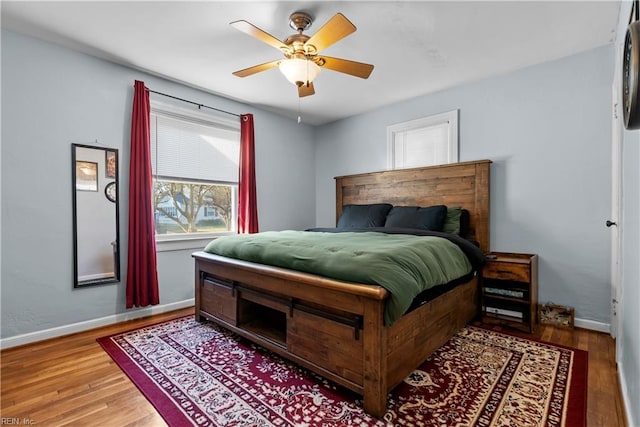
195 160
187 207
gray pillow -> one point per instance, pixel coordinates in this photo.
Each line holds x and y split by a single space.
427 218
364 216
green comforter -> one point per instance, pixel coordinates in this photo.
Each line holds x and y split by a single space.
403 264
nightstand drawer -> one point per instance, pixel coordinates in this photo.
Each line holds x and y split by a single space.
507 271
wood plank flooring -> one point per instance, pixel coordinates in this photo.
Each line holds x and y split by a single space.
71 381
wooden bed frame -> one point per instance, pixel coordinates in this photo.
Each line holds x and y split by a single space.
336 328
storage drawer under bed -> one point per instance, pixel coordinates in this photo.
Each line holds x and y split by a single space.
218 298
335 344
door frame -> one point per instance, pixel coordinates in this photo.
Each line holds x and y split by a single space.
616 203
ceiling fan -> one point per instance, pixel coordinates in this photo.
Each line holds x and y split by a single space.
302 61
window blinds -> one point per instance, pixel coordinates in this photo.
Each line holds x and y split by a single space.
194 150
422 147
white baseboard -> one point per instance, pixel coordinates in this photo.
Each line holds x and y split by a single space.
625 397
59 331
593 325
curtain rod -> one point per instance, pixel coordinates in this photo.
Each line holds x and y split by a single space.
194 103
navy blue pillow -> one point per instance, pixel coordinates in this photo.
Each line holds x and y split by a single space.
359 216
429 218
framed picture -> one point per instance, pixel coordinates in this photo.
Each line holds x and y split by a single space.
86 176
110 161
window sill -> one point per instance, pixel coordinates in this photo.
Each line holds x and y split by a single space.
193 243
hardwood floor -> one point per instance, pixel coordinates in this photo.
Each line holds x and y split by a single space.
604 403
72 381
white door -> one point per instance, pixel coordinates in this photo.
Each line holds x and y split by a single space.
616 188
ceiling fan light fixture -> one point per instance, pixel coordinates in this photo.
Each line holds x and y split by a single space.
299 71
302 64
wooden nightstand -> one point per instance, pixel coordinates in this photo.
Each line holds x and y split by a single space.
509 290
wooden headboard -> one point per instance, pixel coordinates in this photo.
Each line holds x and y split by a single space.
458 184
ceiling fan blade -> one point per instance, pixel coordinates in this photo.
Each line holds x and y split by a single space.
304 90
261 35
256 69
357 69
335 29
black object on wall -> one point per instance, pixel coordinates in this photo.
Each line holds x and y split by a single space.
631 70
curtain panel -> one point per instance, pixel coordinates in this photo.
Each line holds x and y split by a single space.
247 199
142 276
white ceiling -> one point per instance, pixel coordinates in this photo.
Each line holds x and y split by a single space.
417 47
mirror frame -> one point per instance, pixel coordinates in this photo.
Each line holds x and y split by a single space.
116 278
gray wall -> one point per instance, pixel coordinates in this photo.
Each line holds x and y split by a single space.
547 129
629 334
52 97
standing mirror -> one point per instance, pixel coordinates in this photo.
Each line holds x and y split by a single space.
96 239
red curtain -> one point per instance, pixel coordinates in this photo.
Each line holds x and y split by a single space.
142 276
247 205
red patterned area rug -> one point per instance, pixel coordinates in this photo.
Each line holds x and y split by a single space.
198 374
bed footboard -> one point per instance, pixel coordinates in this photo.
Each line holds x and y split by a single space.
333 328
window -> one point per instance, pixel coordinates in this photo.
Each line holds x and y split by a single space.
423 142
195 160
209 212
